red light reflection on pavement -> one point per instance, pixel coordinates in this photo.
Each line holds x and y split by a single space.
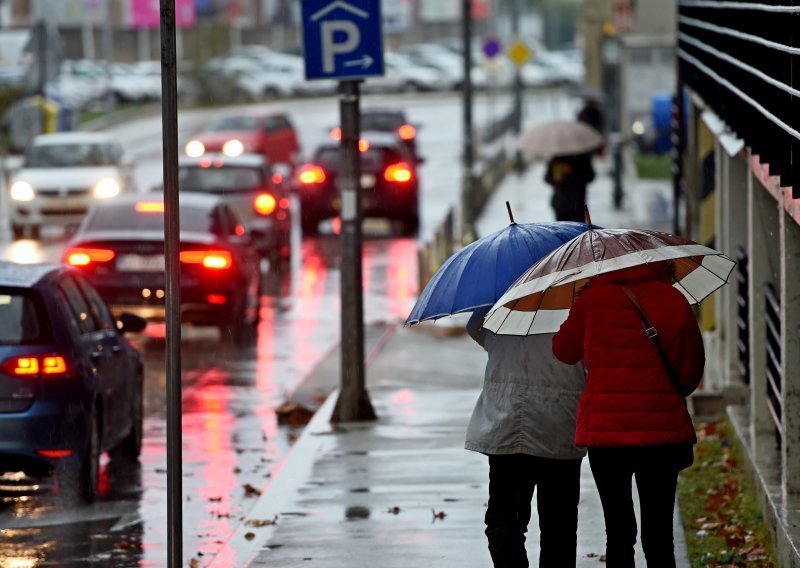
402 277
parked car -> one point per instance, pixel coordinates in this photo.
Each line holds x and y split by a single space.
389 184
254 191
70 382
402 74
62 175
119 248
270 134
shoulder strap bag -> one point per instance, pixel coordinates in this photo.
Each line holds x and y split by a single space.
652 335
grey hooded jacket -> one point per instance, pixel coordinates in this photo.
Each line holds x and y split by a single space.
529 399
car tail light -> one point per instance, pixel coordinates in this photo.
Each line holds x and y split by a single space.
363 145
86 256
149 207
311 175
407 132
336 133
265 204
216 299
277 178
211 259
399 172
54 454
51 366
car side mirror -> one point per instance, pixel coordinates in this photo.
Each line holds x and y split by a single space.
130 323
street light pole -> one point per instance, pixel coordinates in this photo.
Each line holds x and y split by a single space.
353 403
468 188
519 164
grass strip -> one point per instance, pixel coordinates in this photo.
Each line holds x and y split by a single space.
721 514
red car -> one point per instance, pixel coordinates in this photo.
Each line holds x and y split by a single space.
271 135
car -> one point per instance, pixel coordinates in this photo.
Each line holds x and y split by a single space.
119 248
62 175
70 381
257 194
270 134
390 121
389 183
402 74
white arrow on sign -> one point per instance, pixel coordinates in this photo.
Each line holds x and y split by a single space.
364 62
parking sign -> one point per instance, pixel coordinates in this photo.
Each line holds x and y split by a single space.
342 39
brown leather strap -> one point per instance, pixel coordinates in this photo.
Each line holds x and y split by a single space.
652 335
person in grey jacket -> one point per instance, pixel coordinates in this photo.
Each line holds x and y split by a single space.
524 421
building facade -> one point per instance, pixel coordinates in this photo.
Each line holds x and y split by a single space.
739 79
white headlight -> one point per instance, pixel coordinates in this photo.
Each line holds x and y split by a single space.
638 128
106 188
22 191
233 148
195 149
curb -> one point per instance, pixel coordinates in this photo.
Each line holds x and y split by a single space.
259 524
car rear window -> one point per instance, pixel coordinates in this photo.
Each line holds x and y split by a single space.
70 155
125 217
229 179
372 159
225 123
383 121
20 317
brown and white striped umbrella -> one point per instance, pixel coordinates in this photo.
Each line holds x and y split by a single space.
540 299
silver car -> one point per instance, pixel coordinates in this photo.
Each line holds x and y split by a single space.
63 174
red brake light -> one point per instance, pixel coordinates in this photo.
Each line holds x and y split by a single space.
265 204
336 133
86 256
211 259
311 175
53 454
400 173
35 366
407 132
277 178
240 230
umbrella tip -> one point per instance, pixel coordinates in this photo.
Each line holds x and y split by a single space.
510 214
587 216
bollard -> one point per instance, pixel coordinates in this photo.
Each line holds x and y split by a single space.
616 169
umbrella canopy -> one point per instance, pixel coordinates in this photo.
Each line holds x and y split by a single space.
478 274
539 301
559 138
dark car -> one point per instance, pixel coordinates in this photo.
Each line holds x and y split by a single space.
70 383
120 250
387 121
389 184
268 133
257 194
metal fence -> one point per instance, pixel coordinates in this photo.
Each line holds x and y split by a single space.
772 319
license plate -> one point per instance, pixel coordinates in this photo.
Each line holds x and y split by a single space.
141 263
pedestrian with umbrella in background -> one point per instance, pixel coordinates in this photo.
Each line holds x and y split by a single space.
524 418
568 146
622 297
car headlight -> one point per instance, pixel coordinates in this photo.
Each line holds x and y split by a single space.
22 191
233 148
638 128
195 149
106 188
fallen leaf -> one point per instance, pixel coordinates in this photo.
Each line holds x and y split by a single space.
215 499
440 515
250 536
194 563
394 510
250 491
262 522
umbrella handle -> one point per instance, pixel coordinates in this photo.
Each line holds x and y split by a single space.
510 214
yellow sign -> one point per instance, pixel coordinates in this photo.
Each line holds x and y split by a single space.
519 53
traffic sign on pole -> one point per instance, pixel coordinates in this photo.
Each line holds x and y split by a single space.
342 39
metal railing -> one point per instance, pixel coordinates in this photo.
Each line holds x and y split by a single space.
742 314
772 319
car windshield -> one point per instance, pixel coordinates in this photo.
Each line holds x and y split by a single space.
383 121
70 155
147 216
226 123
20 320
229 179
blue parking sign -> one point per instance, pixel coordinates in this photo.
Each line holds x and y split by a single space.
342 39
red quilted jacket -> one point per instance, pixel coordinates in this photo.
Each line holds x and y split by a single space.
629 399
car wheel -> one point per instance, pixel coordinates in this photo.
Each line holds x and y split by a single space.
130 447
412 87
80 484
272 93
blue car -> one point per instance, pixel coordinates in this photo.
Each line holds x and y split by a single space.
70 382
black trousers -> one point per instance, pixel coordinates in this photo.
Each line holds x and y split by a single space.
656 469
512 479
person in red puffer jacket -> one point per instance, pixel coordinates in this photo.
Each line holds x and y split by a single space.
631 417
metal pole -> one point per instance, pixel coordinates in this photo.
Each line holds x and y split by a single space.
169 119
519 163
467 196
108 50
353 403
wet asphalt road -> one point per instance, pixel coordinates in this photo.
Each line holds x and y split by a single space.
232 442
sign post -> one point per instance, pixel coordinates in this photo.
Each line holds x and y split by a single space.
343 40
